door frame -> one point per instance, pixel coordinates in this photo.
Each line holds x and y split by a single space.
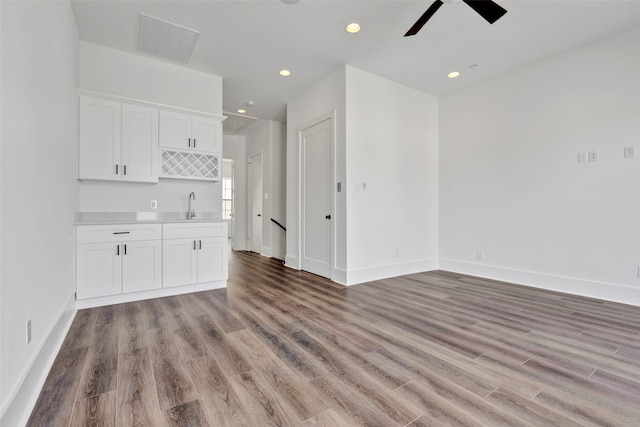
232 221
250 200
331 116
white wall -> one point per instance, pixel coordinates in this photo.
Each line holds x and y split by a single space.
39 126
386 135
112 71
511 184
235 148
172 196
120 73
326 98
392 147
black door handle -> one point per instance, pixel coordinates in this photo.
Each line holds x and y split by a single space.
259 214
328 217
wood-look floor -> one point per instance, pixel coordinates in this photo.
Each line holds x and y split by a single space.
286 348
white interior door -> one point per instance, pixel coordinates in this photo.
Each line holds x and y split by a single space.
316 242
255 197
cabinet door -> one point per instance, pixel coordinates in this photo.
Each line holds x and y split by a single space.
98 270
212 259
139 143
207 134
179 262
175 130
99 139
141 265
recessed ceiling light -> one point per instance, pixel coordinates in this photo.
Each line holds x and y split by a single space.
241 111
353 28
453 74
285 73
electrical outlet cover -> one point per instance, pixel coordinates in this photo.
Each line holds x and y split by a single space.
629 152
582 157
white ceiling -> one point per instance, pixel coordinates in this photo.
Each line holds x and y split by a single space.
248 42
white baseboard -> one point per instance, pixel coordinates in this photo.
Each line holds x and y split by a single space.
353 277
571 285
291 262
24 396
237 245
339 276
155 293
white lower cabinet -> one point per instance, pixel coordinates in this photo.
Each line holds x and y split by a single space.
194 253
111 259
212 259
179 262
142 266
98 270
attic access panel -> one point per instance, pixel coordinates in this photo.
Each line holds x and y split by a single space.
234 123
165 39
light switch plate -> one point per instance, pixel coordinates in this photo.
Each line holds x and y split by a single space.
593 156
154 204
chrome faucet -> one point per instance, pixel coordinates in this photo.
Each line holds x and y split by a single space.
191 213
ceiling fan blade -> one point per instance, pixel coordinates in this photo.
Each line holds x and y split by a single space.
424 18
487 9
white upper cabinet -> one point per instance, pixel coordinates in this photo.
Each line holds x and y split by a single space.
207 134
175 130
187 132
117 141
100 139
139 143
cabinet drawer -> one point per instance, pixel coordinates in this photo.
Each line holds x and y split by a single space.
117 233
195 229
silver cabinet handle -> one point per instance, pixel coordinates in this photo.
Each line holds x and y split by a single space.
199 244
117 250
116 169
124 170
189 142
194 245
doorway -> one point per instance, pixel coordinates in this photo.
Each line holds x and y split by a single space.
228 196
255 202
316 241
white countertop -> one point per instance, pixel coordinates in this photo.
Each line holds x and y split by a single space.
105 218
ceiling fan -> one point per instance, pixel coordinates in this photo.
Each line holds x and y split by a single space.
488 9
